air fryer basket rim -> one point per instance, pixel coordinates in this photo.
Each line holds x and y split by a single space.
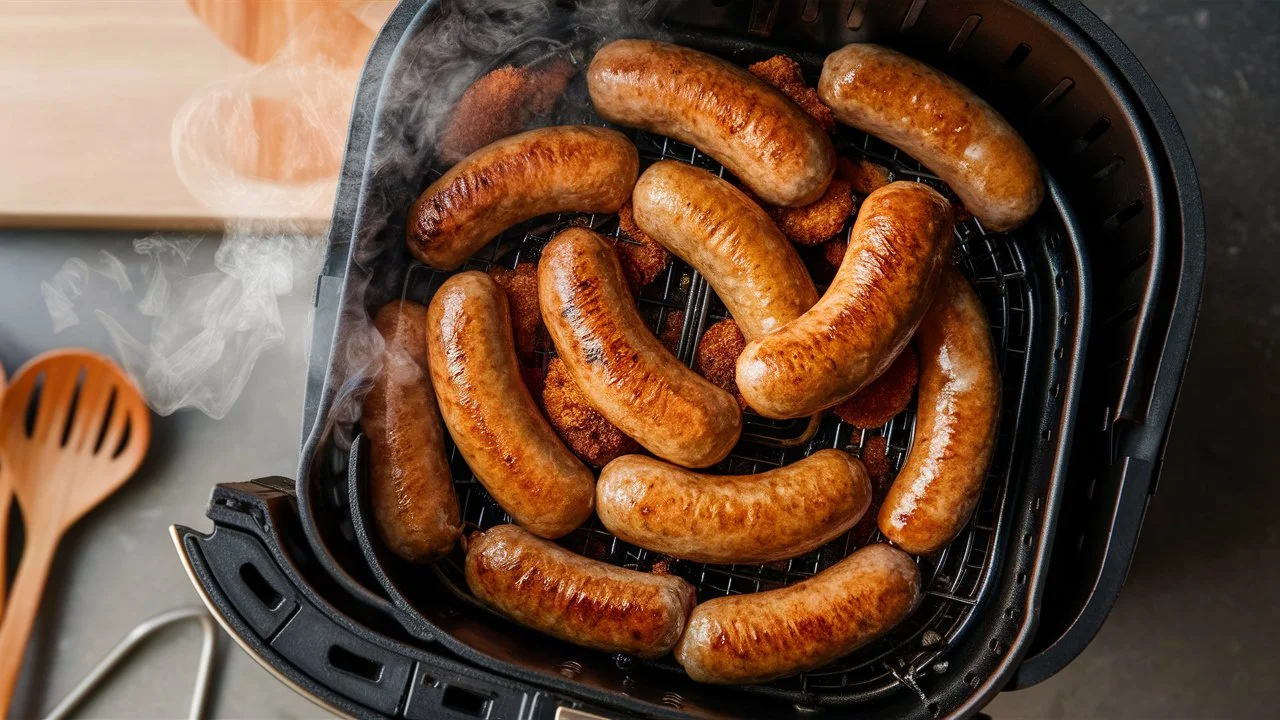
1175 343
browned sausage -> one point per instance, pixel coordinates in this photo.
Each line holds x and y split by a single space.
762 137
718 230
897 250
410 485
758 518
549 170
506 442
761 636
939 122
587 602
621 368
957 418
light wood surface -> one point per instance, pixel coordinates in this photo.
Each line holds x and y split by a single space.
92 88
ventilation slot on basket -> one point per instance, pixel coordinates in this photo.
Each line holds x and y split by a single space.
1106 170
1090 136
343 659
1055 96
965 32
465 702
1122 216
857 14
809 12
259 586
1016 58
913 14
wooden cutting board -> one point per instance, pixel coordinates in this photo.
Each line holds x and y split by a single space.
156 114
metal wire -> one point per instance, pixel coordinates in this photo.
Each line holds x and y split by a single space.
956 580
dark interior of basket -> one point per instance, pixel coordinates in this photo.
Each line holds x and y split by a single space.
1079 131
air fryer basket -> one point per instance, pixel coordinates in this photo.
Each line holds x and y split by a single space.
1110 201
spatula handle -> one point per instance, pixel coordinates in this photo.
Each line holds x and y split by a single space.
24 603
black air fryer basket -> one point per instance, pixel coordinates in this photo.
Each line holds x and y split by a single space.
1092 306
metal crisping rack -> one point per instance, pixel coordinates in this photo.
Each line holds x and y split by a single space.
956 580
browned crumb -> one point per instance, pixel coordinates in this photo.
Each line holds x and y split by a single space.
863 175
960 212
886 396
717 356
876 460
784 73
521 286
669 333
642 258
875 455
819 220
587 433
499 104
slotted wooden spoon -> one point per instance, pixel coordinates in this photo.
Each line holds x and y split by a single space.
73 428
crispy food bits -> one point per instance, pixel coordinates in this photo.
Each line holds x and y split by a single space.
813 223
888 395
585 431
717 355
784 73
521 286
863 175
643 259
501 103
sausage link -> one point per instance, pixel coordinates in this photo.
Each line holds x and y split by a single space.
548 170
717 229
498 429
411 490
762 137
587 602
939 122
761 636
957 419
760 518
621 368
897 250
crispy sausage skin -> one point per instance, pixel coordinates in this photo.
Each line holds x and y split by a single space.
717 229
548 170
621 368
957 419
758 637
410 486
762 137
899 245
760 518
497 427
587 602
939 122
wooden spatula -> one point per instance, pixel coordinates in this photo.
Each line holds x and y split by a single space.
73 428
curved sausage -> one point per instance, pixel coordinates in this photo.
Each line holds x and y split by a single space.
762 137
557 169
760 518
761 636
587 602
622 369
939 122
898 247
498 429
717 229
410 485
957 418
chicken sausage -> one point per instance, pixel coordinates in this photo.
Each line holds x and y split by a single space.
957 419
411 490
621 368
898 247
505 440
587 602
717 229
761 636
556 169
755 131
760 518
939 122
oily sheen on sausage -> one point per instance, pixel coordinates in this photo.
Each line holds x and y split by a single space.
752 129
897 249
499 430
957 418
587 602
411 490
939 122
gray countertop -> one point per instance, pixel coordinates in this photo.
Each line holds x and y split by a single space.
1193 635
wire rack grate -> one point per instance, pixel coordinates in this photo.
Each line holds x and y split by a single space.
956 579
